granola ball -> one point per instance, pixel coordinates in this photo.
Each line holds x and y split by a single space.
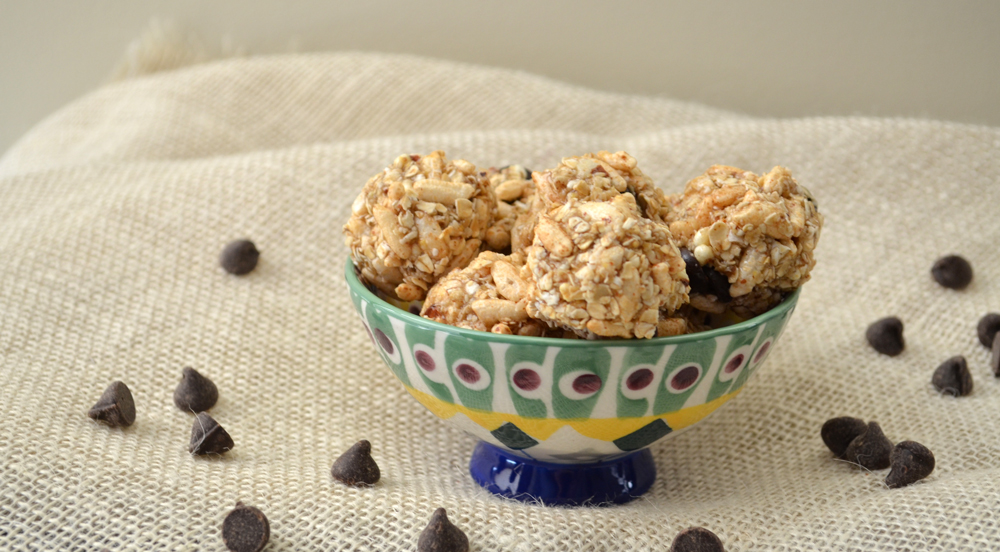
489 295
747 239
515 192
600 176
601 269
417 220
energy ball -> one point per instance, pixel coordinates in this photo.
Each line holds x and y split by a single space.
602 270
757 232
489 295
416 221
601 176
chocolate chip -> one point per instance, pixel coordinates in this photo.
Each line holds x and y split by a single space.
696 539
699 282
441 535
837 433
208 437
239 257
705 279
911 462
952 272
987 328
115 407
195 392
245 529
356 466
720 284
886 336
995 356
953 378
871 449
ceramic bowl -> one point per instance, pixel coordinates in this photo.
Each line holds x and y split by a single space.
546 408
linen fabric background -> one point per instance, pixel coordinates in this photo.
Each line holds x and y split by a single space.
113 212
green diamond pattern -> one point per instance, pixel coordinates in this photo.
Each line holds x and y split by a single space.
512 437
644 436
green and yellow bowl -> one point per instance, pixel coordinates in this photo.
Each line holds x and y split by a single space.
566 401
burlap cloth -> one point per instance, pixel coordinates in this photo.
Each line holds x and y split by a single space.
113 212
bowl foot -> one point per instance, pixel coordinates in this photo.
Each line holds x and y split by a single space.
601 483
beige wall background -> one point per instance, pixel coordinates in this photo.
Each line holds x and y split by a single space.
913 58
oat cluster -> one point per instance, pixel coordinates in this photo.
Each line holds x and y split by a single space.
600 268
759 232
417 220
591 248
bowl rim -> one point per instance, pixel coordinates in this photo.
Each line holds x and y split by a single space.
355 285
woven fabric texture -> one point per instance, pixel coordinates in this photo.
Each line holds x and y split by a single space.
113 212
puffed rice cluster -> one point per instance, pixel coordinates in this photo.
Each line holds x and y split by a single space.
590 248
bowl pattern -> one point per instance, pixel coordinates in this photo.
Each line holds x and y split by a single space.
560 400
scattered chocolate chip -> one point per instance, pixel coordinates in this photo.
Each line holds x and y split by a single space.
837 433
208 437
871 449
953 378
115 407
987 328
245 529
356 466
239 257
995 356
696 539
911 462
441 535
952 272
195 393
886 336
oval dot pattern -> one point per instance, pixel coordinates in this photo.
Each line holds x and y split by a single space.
684 378
527 379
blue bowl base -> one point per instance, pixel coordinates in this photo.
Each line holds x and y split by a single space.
597 484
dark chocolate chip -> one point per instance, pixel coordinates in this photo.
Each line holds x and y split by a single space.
837 433
886 336
705 279
195 393
720 284
356 466
208 437
953 378
115 407
995 356
245 529
441 535
952 272
239 257
696 276
987 328
696 539
871 449
911 462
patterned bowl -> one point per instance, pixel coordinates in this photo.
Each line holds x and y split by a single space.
565 421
